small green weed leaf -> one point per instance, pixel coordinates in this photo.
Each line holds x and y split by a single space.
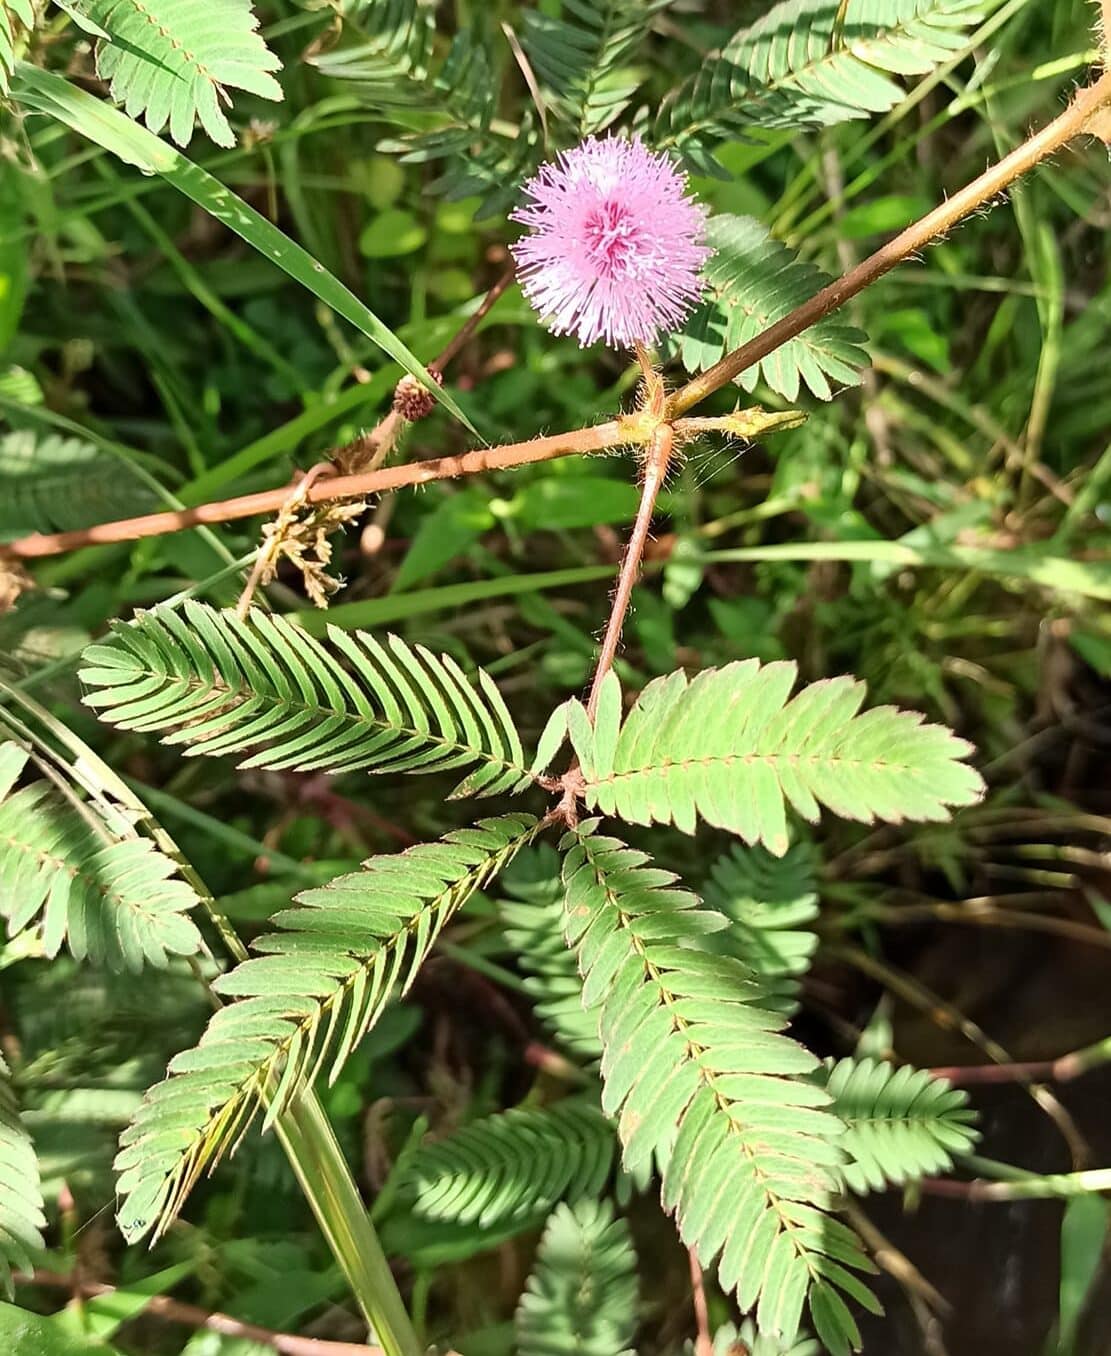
21 1205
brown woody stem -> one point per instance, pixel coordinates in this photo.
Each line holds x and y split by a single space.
1073 121
1080 116
191 1316
338 487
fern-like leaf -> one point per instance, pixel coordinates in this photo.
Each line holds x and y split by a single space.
808 63
734 748
112 900
21 1205
53 484
753 281
582 1294
387 50
443 115
902 1124
13 15
582 57
172 61
700 1075
770 903
512 1166
261 686
311 994
533 923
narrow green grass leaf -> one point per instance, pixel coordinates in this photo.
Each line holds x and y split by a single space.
49 93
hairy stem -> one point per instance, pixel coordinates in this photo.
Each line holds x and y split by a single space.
1080 116
369 450
338 487
655 469
1071 123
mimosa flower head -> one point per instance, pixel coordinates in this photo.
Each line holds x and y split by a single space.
615 245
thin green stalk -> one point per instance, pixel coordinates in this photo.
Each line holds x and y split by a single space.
310 1144
1013 1184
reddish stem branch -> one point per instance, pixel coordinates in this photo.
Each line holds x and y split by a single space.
1080 116
1077 118
655 469
338 487
369 450
191 1316
703 1342
472 323
1061 1070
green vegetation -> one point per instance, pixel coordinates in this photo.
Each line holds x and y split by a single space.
733 939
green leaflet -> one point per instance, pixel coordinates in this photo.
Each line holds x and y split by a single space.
753 281
112 900
21 1215
512 1166
729 1340
582 59
901 1123
770 903
807 63
308 996
13 15
697 1071
172 61
262 687
582 1294
732 747
532 917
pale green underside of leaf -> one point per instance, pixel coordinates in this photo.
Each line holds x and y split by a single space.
901 1123
582 59
53 484
582 1294
21 1204
112 901
512 1166
702 1080
753 281
260 686
302 1003
731 1340
171 62
733 748
809 63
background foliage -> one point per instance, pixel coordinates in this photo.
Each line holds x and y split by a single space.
153 354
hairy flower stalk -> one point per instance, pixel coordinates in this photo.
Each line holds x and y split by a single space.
615 245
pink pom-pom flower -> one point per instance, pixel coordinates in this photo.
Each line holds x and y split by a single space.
615 245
